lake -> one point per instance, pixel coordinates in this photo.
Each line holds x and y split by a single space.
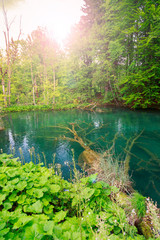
43 132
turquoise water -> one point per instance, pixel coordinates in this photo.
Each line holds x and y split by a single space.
38 130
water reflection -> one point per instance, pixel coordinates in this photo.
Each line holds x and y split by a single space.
38 130
11 140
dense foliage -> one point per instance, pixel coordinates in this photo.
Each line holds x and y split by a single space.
112 56
37 204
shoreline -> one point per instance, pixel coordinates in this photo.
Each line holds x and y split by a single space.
94 106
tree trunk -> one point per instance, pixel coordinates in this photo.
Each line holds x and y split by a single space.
9 83
4 93
33 90
45 83
54 85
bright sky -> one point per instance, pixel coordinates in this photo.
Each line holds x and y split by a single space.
58 16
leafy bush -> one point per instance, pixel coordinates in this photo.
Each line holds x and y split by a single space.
37 204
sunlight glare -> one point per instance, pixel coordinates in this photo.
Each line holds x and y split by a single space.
58 16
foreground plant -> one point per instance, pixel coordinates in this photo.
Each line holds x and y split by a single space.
37 204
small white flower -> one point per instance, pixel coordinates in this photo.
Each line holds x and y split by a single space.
124 233
133 211
82 219
115 221
89 213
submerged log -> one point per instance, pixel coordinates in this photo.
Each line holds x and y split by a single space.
104 164
88 157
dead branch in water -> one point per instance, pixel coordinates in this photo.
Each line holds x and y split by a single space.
108 167
130 143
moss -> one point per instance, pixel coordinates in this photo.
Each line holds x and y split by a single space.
145 229
123 200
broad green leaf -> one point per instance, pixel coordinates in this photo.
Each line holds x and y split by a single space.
117 230
75 200
2 198
104 184
48 209
22 198
31 234
7 205
29 185
13 197
45 201
89 179
107 191
92 178
12 172
21 185
48 227
98 185
38 193
59 216
30 191
36 207
87 192
2 176
97 192
15 180
8 188
105 215
42 181
4 231
22 222
54 188
114 189
2 225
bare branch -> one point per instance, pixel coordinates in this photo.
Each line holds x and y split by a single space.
20 29
12 21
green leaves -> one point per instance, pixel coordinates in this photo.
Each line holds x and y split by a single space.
87 192
48 227
7 205
38 193
2 197
22 221
60 216
21 185
34 205
54 188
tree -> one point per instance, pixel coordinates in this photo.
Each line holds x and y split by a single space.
11 54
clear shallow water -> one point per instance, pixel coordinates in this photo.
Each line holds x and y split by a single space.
37 129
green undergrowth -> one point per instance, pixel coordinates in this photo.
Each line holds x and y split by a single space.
35 203
58 106
26 108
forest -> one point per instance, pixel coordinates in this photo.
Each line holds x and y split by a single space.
111 57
